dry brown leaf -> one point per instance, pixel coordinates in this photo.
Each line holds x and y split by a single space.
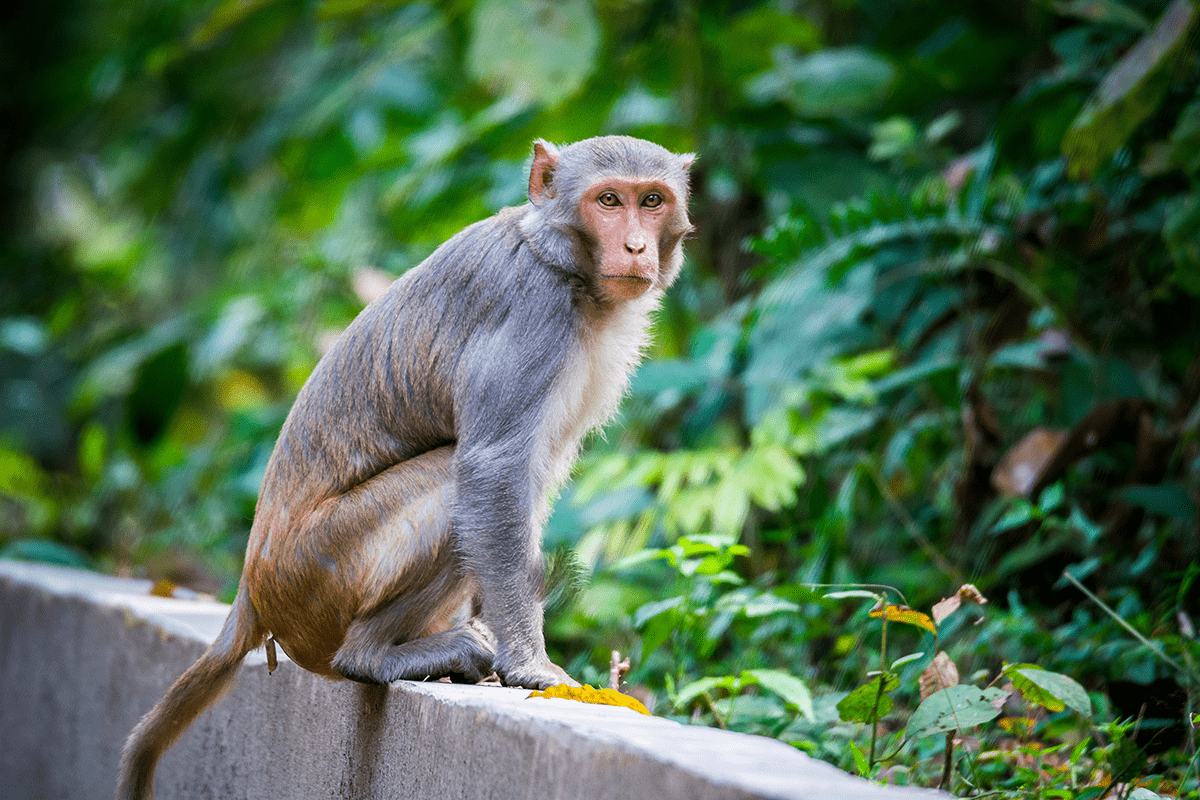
941 674
1019 470
946 607
967 592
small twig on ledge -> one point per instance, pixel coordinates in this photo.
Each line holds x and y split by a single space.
616 670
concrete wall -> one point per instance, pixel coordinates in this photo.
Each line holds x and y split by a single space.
83 656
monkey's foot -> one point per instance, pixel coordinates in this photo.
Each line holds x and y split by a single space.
463 653
541 674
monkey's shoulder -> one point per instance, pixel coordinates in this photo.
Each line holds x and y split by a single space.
485 270
489 241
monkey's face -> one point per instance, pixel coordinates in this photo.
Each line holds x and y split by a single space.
630 220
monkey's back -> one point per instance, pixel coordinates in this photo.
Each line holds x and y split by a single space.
389 387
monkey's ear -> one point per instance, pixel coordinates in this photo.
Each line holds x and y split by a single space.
541 174
686 160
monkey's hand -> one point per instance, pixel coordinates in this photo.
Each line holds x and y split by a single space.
540 674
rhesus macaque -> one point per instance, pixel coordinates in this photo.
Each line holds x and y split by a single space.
398 529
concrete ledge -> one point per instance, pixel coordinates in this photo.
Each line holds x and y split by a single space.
83 656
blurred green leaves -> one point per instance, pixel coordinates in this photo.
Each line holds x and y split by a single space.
829 83
536 51
1131 91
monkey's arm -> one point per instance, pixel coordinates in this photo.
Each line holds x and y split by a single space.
501 401
494 528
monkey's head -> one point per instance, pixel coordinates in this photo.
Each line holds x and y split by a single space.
613 209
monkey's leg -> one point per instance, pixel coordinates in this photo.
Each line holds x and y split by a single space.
463 653
409 578
405 638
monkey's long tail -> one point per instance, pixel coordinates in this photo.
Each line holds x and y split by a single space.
203 683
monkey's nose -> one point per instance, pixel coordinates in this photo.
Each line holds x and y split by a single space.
636 247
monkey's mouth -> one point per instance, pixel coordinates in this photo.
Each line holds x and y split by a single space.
626 287
640 278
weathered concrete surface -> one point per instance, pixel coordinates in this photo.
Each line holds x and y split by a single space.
83 656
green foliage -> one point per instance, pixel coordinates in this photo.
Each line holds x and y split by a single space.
1130 92
564 34
1048 689
937 323
870 702
829 83
954 708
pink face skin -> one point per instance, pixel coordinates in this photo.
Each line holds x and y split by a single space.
628 217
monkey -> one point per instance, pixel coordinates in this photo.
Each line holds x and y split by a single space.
397 533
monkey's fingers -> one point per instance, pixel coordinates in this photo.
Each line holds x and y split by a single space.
538 675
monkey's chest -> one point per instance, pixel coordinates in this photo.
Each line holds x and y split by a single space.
589 388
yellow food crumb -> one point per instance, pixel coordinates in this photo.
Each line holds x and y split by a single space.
586 694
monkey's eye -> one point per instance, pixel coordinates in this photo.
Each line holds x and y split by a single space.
609 199
652 200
